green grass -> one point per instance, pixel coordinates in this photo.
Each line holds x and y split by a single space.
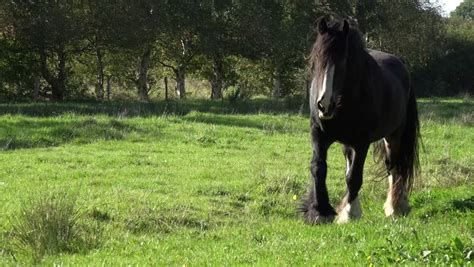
210 183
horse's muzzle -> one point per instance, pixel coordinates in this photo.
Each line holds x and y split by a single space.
326 114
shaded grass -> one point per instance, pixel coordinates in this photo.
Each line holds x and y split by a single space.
61 123
442 111
159 108
31 133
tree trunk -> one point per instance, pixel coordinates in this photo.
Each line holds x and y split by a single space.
276 90
217 80
100 75
37 88
166 88
60 91
58 84
109 77
142 83
57 90
180 74
307 88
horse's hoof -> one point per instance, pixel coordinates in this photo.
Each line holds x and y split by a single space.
314 217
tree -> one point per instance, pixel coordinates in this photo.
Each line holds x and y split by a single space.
135 30
99 38
465 10
216 43
455 67
18 68
291 36
52 30
178 41
254 46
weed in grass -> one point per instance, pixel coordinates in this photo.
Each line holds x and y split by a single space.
283 126
7 142
6 250
450 173
207 137
455 253
217 192
287 185
51 224
464 205
150 220
100 215
276 195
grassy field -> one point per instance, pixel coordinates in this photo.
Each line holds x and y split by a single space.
200 183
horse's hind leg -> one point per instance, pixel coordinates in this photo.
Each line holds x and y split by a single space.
350 206
397 195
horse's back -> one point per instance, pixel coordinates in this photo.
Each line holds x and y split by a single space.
393 69
393 90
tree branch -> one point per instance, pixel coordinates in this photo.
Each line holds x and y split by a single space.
167 65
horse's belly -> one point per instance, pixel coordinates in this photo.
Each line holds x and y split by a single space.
363 129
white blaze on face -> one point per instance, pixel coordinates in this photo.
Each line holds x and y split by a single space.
325 92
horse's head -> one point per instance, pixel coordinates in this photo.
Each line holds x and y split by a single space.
328 60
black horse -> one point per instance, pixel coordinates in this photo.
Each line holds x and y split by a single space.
359 96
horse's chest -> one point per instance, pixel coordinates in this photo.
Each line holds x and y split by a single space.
351 131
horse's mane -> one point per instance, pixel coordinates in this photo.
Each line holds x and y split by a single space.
320 53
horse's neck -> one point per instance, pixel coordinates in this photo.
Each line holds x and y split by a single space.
360 68
360 85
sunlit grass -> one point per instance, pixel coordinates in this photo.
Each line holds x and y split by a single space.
209 184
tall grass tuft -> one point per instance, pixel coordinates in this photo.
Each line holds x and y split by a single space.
50 224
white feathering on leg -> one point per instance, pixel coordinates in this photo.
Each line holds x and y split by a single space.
349 211
388 206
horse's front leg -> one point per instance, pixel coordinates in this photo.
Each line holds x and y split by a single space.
316 207
350 207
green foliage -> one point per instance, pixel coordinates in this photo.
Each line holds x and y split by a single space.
81 49
251 78
17 69
451 71
465 10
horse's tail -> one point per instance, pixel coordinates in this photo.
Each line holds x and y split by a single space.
408 164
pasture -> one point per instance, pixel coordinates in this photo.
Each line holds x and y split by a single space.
215 183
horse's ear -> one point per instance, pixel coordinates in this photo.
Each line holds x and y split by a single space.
322 25
345 28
